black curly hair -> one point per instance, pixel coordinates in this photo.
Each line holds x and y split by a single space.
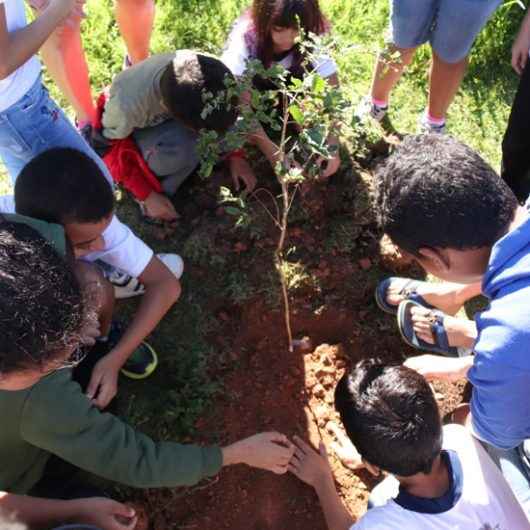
436 192
41 305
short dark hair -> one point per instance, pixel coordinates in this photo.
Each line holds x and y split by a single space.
436 192
391 416
41 305
184 83
63 185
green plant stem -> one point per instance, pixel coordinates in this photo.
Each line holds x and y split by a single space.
278 255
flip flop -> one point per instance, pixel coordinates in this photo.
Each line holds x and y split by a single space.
409 290
406 328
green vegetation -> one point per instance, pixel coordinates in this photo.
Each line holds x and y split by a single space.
168 404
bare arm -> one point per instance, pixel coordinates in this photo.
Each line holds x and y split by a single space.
162 290
17 47
43 513
313 469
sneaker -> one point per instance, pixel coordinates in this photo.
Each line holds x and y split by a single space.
368 109
126 286
142 362
426 127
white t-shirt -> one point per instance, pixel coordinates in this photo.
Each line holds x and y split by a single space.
240 49
479 498
15 86
123 250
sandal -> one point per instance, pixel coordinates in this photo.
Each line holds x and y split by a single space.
409 290
441 345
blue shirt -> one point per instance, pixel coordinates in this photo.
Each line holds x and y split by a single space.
500 374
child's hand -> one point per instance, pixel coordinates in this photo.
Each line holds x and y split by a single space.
520 49
269 450
103 385
158 206
242 173
308 465
70 10
103 513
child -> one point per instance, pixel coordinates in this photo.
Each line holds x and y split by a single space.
515 144
440 478
267 32
43 319
30 122
67 187
159 104
65 58
450 27
444 206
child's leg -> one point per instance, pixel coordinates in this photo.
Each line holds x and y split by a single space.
65 60
445 79
516 141
457 24
135 19
35 124
449 297
388 72
100 295
99 292
410 26
170 152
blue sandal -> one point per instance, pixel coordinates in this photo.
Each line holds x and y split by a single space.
409 291
441 345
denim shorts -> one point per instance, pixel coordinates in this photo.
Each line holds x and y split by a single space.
450 26
35 124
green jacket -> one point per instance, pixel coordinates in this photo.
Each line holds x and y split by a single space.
55 417
135 100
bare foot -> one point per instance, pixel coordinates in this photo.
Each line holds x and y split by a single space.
343 448
461 332
443 296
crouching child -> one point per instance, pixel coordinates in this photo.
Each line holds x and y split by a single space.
44 320
438 477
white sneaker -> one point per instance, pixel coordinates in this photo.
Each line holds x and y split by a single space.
367 109
126 286
426 127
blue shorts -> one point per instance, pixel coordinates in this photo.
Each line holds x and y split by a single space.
450 26
35 124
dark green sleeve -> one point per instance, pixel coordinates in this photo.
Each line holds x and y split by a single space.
60 419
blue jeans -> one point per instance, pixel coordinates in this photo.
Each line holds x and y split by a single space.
451 26
514 466
35 124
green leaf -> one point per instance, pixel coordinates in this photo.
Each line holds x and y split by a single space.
297 114
319 85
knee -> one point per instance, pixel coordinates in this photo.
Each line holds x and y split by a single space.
450 61
396 55
97 289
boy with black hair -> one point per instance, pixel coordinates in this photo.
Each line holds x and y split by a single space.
159 103
444 206
440 478
66 187
44 316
